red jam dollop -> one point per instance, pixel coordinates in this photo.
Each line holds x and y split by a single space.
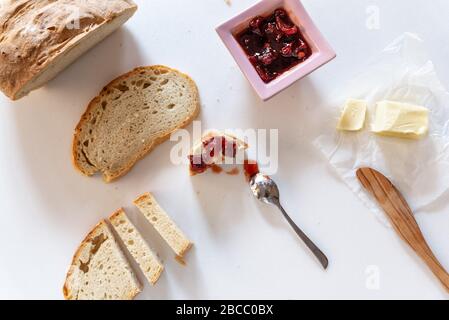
274 45
251 168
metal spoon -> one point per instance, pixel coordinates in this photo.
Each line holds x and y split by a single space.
266 190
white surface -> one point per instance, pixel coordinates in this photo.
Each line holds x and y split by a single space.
243 249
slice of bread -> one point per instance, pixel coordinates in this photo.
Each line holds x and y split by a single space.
160 220
40 38
148 261
207 153
99 270
130 117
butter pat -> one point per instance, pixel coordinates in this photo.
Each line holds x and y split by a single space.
353 116
401 120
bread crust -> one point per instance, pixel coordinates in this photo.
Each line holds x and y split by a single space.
24 59
66 288
95 102
116 214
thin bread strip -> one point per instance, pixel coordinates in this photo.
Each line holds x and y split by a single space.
160 220
100 270
148 261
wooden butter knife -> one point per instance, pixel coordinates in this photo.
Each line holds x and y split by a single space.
401 216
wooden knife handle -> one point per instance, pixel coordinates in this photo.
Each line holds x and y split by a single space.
401 216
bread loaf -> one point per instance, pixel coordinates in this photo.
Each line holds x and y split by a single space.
40 38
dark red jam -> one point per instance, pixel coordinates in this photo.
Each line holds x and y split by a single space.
211 147
251 168
274 45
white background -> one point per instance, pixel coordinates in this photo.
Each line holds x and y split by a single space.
243 249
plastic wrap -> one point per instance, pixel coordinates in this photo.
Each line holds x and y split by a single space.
419 168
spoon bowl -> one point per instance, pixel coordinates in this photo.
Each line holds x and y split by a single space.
264 188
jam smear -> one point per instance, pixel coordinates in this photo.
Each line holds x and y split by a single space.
274 44
216 169
201 162
233 172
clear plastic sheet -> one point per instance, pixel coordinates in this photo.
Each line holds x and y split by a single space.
420 169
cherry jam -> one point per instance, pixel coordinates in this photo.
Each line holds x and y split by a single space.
274 44
215 145
251 168
220 146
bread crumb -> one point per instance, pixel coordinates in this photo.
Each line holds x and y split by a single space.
228 2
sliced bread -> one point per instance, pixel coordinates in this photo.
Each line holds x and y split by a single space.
40 38
130 117
99 270
164 225
148 261
217 148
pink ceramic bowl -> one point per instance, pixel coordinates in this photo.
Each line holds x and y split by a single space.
322 52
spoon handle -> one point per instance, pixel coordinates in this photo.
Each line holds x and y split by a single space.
315 250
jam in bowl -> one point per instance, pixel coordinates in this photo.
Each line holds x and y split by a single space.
273 44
